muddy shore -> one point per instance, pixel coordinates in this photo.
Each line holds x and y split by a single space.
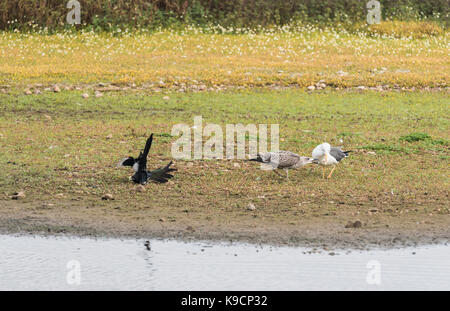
331 232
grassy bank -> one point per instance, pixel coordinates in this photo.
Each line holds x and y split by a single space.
62 149
193 59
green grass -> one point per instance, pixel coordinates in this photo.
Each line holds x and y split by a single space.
413 137
63 149
51 136
388 148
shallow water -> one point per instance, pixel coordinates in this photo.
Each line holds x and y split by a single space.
49 263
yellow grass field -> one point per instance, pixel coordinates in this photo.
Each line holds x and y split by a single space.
199 60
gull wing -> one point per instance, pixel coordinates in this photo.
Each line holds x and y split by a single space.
338 154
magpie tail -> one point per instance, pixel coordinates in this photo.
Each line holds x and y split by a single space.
161 174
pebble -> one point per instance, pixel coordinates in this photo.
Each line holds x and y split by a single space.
85 95
351 224
18 195
107 196
140 188
251 207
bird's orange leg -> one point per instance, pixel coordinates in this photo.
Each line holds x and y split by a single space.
323 172
331 173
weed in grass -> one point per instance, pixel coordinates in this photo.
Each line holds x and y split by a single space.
387 148
163 135
427 141
413 137
347 134
441 142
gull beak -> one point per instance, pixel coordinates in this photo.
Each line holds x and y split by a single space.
312 160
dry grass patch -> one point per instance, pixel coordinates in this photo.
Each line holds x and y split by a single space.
399 29
199 60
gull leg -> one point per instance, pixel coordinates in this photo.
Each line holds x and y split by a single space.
287 174
331 173
323 167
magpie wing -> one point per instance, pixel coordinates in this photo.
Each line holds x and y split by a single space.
143 155
148 144
126 162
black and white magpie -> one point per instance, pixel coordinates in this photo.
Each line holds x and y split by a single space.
139 164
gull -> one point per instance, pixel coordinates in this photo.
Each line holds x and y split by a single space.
282 160
326 155
139 164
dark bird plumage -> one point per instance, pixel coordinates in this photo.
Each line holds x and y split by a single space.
139 164
141 160
161 174
338 154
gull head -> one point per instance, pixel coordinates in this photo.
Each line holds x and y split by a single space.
321 150
309 160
